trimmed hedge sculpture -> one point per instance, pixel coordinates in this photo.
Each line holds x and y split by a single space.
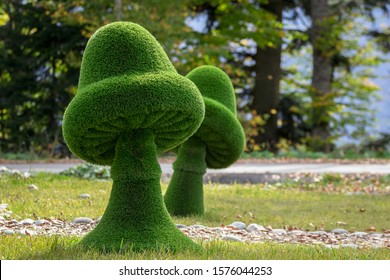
218 143
130 105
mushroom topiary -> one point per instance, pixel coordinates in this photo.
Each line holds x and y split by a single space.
218 143
131 104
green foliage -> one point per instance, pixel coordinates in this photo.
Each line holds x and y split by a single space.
234 29
41 44
88 171
346 152
218 142
130 104
347 105
292 124
253 125
40 52
20 156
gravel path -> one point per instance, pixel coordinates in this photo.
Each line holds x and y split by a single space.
235 232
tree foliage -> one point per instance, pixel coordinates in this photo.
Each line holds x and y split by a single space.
40 53
41 44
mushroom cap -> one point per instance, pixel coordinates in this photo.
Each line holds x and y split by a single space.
214 84
220 130
127 83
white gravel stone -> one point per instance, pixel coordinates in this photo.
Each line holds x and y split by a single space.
8 231
297 232
82 220
332 246
318 232
181 226
4 169
339 231
27 222
198 226
359 234
354 246
41 222
26 232
32 187
16 172
376 235
3 206
239 225
279 231
85 195
231 238
255 228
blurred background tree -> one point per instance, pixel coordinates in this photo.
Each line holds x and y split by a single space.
301 70
41 46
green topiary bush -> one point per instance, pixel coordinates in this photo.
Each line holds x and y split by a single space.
218 143
130 105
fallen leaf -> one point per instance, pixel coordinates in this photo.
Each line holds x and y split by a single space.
371 229
362 210
339 223
238 216
231 227
386 231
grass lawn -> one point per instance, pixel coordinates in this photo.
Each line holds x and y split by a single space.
333 201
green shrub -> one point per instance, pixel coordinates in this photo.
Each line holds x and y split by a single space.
88 171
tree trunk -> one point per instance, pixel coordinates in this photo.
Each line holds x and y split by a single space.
2 128
118 10
266 90
321 77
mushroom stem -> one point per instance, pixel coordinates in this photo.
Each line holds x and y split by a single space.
184 195
136 216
